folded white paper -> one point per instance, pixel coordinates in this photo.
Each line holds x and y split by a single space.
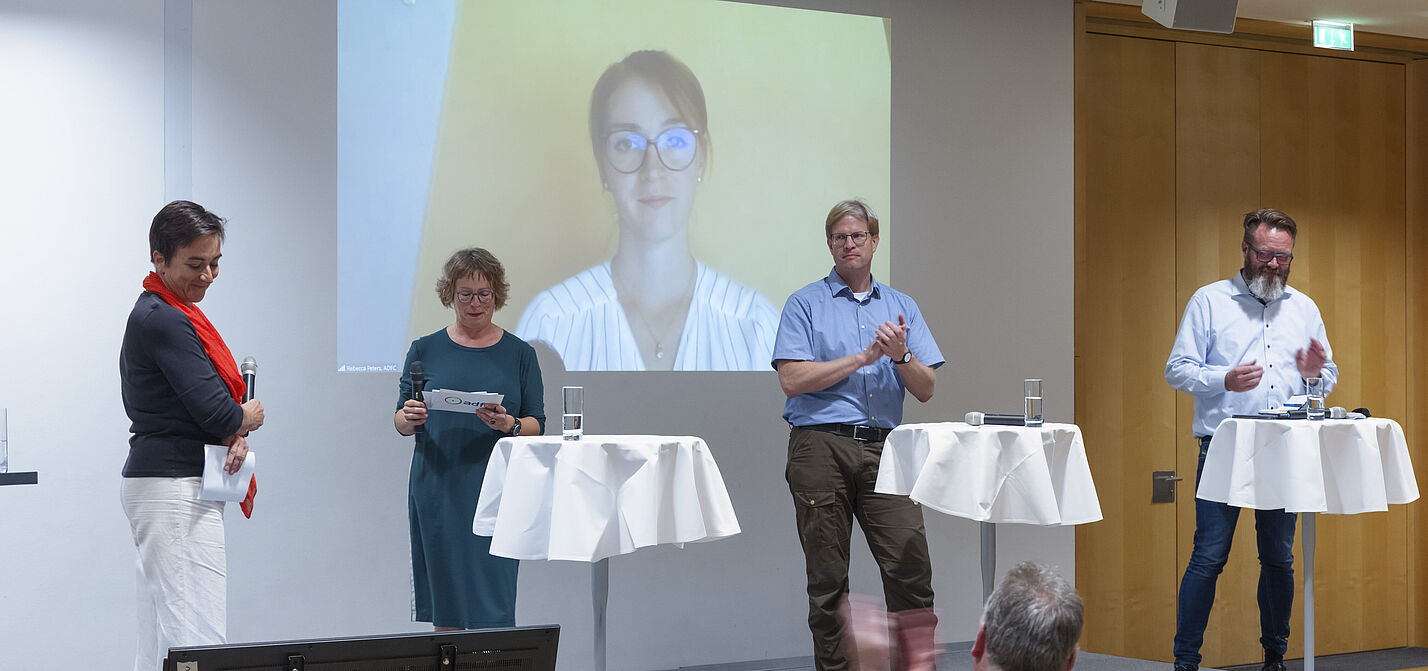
459 401
218 485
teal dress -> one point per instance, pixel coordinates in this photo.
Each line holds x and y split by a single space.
456 579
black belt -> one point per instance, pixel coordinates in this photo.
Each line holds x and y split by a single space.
867 434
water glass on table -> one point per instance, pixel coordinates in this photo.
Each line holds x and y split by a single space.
1032 412
572 407
1314 403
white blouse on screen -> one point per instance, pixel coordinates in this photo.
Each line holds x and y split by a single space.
729 327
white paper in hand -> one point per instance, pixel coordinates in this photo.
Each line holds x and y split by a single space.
459 401
217 484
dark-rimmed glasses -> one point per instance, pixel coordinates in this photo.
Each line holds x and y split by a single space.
484 295
859 239
1263 256
626 149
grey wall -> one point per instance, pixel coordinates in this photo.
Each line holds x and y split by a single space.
982 197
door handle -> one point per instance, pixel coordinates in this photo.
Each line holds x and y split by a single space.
1162 486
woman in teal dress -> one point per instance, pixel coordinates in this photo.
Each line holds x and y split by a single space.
458 583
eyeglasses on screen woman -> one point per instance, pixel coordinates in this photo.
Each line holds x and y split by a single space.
626 149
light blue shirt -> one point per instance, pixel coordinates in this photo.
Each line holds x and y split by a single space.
824 321
1224 326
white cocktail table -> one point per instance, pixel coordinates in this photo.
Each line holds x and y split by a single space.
592 499
992 474
1335 466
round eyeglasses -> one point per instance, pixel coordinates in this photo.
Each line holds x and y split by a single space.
626 149
484 295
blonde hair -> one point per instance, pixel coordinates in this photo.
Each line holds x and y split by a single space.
856 208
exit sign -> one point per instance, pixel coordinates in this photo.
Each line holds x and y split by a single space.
1334 35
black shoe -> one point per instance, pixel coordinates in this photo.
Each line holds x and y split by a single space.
1277 665
1186 667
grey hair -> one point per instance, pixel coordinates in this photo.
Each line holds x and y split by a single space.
1033 620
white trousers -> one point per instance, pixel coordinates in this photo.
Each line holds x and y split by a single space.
183 571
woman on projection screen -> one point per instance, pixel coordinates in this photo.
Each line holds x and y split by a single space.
653 306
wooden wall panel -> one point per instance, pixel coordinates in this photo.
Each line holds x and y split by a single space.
1217 168
1415 420
1124 276
1326 139
1333 158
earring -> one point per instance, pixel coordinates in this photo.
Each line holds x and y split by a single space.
605 186
700 179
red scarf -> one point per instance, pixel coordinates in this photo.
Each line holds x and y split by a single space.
217 351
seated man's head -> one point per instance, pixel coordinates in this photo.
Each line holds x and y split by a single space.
1031 623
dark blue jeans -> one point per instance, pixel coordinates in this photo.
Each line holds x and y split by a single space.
1214 530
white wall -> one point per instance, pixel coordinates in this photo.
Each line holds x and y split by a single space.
982 197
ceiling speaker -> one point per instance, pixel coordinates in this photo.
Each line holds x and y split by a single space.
1215 16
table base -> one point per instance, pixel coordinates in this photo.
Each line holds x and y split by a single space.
600 596
989 559
1308 541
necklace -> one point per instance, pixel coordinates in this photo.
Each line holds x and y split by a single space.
684 298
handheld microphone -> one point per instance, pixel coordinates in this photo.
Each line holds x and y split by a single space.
1001 419
418 373
250 377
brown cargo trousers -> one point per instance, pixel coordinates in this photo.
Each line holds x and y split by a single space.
831 478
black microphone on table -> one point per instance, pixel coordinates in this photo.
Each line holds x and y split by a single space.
250 377
418 386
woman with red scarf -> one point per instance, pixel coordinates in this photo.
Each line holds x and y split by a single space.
182 391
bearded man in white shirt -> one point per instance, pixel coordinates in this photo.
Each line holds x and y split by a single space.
1244 344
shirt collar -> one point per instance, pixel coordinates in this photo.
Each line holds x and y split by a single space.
836 285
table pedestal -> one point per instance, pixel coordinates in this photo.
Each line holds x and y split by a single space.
600 596
989 559
1308 541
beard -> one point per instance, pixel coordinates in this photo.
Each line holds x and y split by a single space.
1268 284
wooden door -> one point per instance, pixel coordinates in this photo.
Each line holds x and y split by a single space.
1125 321
1175 142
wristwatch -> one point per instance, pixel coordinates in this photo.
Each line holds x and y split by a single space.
516 427
905 358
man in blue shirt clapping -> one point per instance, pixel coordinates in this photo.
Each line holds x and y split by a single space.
847 350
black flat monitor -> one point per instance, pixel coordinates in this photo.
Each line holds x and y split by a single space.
510 649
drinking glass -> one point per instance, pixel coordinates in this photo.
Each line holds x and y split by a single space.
1032 412
1314 405
572 402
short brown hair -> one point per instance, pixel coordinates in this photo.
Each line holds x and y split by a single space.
1272 218
858 209
471 262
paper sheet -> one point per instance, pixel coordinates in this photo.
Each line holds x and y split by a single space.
218 485
459 401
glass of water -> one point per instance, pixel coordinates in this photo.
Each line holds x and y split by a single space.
1032 392
1314 404
572 403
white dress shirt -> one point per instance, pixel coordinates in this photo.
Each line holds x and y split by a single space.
729 327
1225 326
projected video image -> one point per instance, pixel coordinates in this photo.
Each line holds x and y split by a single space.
653 174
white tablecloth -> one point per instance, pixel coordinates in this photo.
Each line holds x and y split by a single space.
547 498
1339 466
992 473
